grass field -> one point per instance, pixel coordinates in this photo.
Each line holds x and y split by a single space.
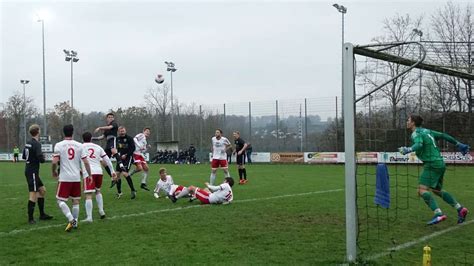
286 214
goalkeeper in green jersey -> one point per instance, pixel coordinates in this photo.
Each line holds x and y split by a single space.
431 179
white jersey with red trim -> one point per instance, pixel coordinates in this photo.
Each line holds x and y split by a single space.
140 144
70 153
221 194
168 186
219 147
95 155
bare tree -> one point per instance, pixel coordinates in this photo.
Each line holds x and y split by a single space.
158 102
15 109
395 29
454 26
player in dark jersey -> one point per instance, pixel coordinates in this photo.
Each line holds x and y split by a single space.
240 147
124 150
110 134
33 156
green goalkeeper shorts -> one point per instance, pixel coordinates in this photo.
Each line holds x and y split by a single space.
432 176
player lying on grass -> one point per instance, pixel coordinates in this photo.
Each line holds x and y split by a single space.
172 191
221 194
431 179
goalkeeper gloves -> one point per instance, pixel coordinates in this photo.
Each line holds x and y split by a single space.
405 150
463 148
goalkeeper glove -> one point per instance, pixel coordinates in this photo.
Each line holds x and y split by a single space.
405 150
463 148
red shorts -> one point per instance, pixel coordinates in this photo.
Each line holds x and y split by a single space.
138 159
216 163
68 190
178 190
92 184
203 195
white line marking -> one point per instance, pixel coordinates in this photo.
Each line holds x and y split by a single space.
18 231
419 240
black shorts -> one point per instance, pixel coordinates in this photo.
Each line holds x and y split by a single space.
15 155
111 143
127 163
34 182
241 159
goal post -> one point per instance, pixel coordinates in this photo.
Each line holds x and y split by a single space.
381 52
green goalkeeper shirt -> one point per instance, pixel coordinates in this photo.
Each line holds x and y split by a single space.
424 145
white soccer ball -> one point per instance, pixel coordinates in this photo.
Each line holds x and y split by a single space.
159 79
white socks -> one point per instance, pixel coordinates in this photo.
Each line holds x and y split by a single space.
65 209
89 209
183 193
145 175
213 178
75 211
227 174
100 203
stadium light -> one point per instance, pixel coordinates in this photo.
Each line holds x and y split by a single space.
343 10
420 34
171 68
71 56
41 15
24 82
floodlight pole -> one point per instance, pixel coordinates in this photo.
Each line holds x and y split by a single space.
71 56
350 155
24 82
171 68
343 10
45 125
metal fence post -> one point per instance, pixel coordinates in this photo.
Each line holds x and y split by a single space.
250 122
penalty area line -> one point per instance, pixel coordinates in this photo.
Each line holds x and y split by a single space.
419 240
18 231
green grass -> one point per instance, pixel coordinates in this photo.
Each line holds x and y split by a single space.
273 220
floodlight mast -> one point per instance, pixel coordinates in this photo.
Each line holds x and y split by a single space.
71 56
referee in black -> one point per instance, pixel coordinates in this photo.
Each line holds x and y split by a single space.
240 147
33 156
110 134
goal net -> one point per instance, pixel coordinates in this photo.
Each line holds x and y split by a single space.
382 85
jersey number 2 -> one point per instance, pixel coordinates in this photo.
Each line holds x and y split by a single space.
70 153
91 153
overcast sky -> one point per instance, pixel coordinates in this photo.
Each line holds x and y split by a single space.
225 51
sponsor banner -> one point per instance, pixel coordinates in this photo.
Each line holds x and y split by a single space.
457 157
287 157
322 157
47 147
367 157
261 157
396 157
6 156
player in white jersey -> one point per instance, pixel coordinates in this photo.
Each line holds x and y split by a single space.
219 155
172 191
92 184
139 156
69 153
221 194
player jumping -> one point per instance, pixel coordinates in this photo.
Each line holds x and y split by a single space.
139 156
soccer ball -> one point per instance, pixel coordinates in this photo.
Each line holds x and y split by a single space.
159 79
